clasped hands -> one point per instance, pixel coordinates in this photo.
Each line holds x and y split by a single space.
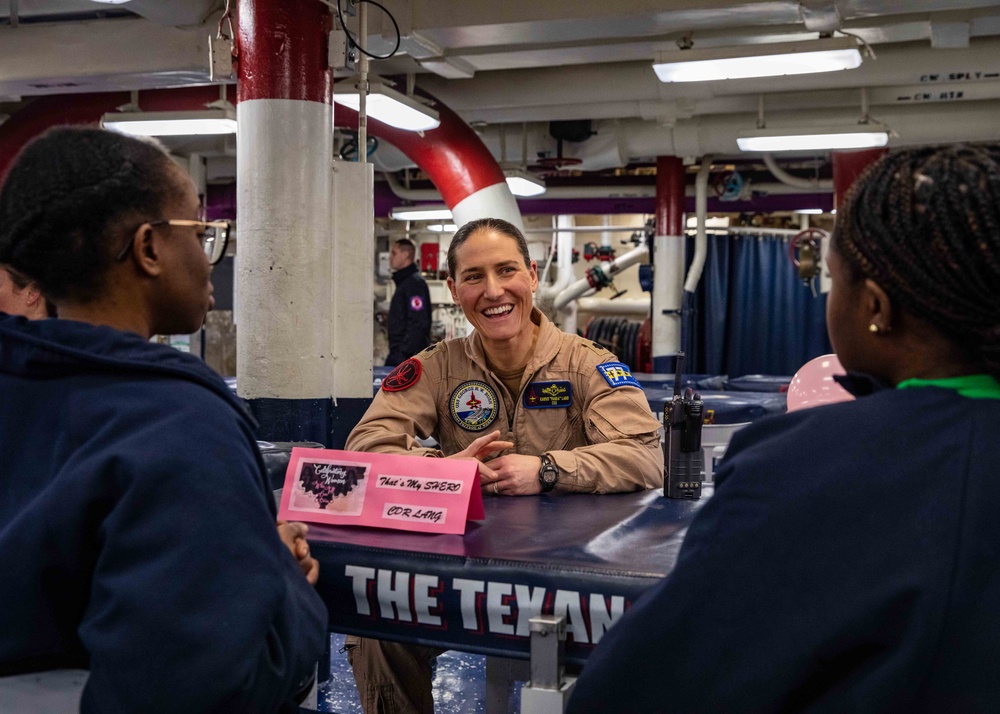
509 475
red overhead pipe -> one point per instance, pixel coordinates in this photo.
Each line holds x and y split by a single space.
453 156
60 110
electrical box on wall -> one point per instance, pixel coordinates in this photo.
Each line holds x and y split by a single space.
383 265
429 257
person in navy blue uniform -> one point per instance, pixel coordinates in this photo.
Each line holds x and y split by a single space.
848 561
137 527
409 321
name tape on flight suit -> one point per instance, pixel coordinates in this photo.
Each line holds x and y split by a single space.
548 395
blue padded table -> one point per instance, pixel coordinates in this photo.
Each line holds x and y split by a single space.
759 383
726 407
584 556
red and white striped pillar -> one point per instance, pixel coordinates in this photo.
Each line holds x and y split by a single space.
305 257
668 263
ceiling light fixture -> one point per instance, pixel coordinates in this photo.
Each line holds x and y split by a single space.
183 123
428 212
865 134
388 106
523 183
857 136
746 61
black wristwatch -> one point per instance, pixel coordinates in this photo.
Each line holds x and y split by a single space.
548 475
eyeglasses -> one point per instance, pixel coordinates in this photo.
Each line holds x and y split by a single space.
214 237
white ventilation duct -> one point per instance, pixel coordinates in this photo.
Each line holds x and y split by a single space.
630 89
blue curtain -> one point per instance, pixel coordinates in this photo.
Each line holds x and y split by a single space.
751 314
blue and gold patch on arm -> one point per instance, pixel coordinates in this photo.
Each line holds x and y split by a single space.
618 374
547 395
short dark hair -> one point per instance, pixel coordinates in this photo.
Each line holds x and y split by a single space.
486 224
68 197
408 246
925 225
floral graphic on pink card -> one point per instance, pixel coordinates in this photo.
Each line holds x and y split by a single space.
331 486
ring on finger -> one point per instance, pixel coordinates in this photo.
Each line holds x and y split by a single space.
496 488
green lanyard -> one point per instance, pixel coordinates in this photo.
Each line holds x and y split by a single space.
973 386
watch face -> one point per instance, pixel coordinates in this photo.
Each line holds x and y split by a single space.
549 475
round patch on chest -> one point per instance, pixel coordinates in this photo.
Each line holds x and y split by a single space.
473 405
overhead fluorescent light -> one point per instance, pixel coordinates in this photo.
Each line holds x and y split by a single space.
388 106
810 211
857 136
769 60
429 212
522 183
442 227
111 2
181 123
710 222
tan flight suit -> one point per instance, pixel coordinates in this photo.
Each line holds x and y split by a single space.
603 439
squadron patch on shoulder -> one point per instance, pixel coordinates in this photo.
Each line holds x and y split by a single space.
403 377
473 405
548 395
416 303
617 374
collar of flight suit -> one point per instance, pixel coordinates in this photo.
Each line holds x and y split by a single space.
546 348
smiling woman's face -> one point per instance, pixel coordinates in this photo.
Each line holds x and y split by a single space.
493 285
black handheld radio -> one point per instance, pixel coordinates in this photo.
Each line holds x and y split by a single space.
682 456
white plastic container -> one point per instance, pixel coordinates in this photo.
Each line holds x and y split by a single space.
714 440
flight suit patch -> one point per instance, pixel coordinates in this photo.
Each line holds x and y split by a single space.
548 395
618 374
416 303
403 377
473 405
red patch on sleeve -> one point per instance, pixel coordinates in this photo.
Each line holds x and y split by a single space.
403 377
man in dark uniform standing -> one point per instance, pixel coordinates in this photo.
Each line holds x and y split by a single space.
410 309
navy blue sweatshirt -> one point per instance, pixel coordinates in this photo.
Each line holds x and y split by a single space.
137 529
849 561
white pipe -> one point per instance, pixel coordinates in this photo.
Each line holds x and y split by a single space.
564 259
411 194
701 239
616 266
623 88
603 306
668 292
591 192
552 248
569 318
788 179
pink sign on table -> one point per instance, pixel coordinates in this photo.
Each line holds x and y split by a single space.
410 493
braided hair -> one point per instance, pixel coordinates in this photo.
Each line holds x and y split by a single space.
68 200
925 225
